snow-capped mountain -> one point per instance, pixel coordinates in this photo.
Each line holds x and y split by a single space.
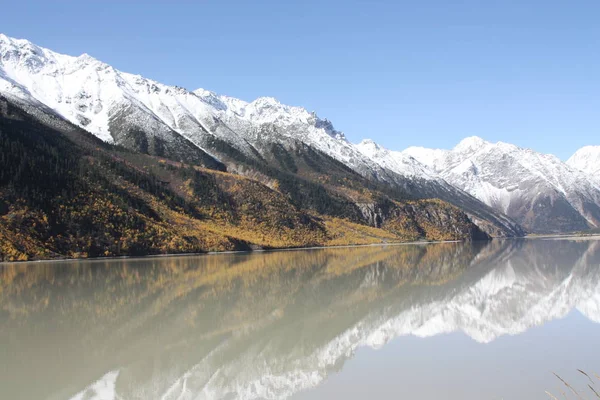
587 159
537 190
266 121
396 161
146 115
203 127
418 170
115 106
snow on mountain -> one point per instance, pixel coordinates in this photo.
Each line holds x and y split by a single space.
126 108
538 190
428 157
265 121
168 121
432 183
587 159
114 106
38 73
201 126
107 102
396 161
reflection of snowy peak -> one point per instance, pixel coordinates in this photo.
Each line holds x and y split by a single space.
537 190
504 292
508 300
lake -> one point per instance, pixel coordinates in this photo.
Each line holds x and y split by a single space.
482 320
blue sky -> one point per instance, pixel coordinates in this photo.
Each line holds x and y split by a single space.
403 73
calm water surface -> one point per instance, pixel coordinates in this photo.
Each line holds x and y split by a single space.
441 321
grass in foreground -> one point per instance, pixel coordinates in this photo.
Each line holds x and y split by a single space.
570 392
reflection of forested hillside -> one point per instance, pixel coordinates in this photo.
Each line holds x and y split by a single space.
112 309
221 322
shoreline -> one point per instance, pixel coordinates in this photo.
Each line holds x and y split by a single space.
216 253
557 236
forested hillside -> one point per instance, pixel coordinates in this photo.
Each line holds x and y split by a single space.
65 193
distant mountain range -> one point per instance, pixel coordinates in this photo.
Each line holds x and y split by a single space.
539 191
502 188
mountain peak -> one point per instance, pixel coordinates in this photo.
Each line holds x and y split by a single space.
267 100
7 39
369 147
18 43
204 93
395 161
471 143
86 57
588 150
211 98
586 159
86 60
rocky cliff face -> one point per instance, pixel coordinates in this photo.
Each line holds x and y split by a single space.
427 219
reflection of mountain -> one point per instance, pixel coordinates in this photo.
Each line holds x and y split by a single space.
540 281
268 325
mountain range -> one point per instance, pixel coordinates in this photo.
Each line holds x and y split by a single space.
539 191
503 189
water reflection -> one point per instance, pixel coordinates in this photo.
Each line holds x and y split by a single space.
256 326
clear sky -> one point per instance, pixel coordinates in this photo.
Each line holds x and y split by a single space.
403 73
